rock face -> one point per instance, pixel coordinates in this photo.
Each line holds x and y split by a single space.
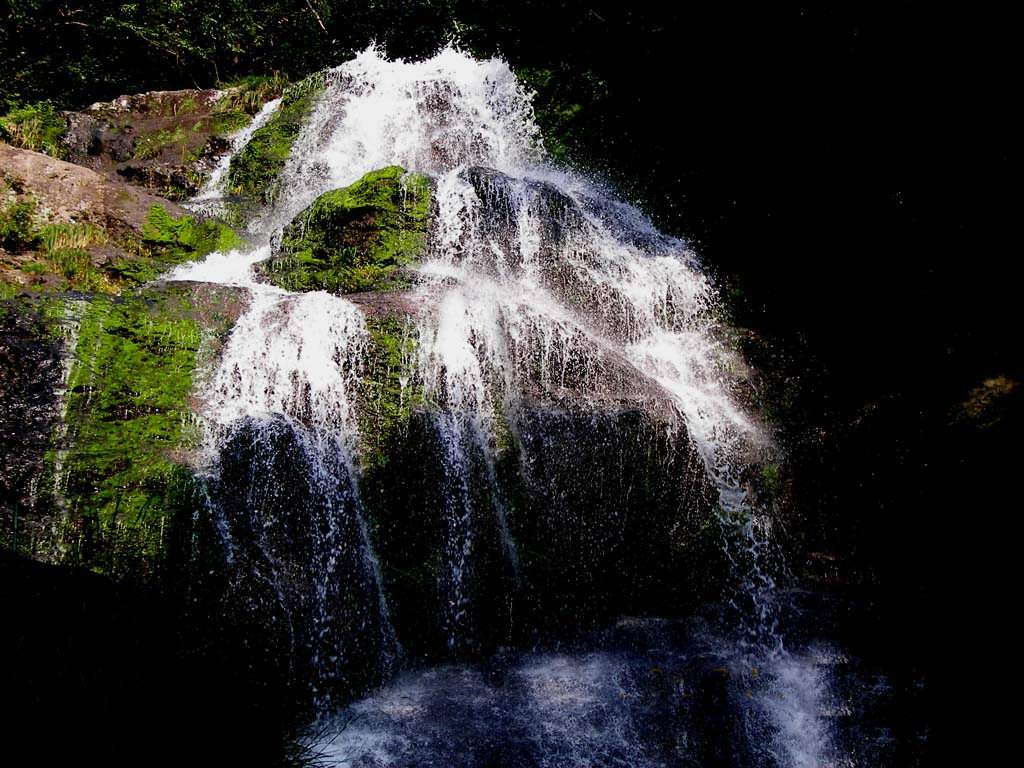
95 417
357 238
103 470
166 141
65 227
70 193
254 171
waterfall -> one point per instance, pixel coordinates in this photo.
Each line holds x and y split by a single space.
293 363
570 377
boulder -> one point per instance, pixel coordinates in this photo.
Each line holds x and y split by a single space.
357 238
66 227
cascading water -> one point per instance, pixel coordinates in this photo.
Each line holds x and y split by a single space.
210 201
555 329
291 367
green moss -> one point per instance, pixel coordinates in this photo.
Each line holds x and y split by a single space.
185 239
108 487
53 311
229 122
356 238
151 145
389 393
133 271
118 471
255 170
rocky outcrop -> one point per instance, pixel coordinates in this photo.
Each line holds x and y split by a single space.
95 415
65 227
355 239
166 141
580 492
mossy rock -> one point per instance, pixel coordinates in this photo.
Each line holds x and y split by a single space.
115 487
390 390
254 171
185 238
115 475
356 238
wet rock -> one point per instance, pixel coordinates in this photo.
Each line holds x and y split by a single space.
357 238
109 458
255 170
28 405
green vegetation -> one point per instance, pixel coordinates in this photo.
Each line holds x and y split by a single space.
77 52
17 226
389 393
62 249
770 480
185 239
134 270
254 171
59 236
55 249
356 238
37 127
75 266
229 122
252 92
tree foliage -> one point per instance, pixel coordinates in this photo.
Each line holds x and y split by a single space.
73 52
